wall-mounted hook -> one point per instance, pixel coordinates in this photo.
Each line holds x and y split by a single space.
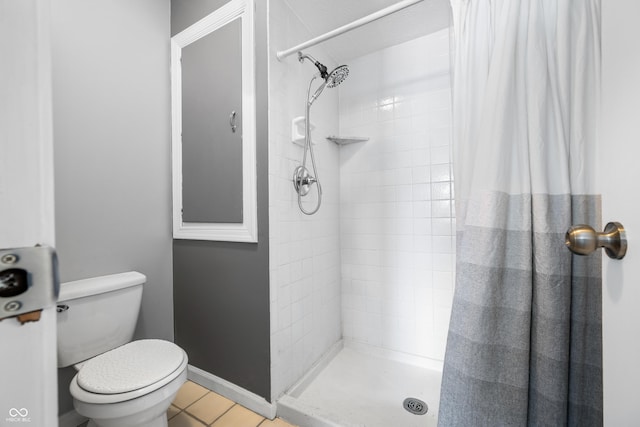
583 240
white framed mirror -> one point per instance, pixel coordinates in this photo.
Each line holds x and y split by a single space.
213 127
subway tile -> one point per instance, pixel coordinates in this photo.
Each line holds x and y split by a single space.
440 190
405 158
441 261
421 192
420 123
439 137
421 140
402 126
442 280
405 243
389 177
422 226
440 172
297 332
388 194
439 118
284 297
441 227
423 261
422 244
420 157
296 271
441 209
369 115
404 142
403 108
421 174
386 112
442 245
404 176
284 317
405 227
403 210
440 154
423 278
422 209
439 100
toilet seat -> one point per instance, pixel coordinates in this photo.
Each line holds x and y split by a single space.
130 367
128 372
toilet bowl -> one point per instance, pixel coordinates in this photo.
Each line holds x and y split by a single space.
119 382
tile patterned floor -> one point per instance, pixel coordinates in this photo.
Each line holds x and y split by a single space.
195 406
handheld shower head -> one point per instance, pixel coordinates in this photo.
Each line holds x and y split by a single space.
333 79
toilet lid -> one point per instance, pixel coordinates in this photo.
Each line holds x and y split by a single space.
130 367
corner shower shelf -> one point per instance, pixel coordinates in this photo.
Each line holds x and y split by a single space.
344 140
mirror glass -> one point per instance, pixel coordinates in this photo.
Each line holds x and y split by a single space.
212 127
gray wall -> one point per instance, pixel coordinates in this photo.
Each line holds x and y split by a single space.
111 106
221 289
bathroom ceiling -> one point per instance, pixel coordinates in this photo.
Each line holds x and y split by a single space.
321 16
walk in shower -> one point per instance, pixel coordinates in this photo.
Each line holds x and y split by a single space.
361 290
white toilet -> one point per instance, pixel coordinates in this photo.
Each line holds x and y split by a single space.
119 382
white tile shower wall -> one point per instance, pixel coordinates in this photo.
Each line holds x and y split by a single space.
304 250
396 210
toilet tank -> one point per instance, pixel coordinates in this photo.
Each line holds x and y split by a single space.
97 314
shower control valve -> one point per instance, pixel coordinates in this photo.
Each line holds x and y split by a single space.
302 180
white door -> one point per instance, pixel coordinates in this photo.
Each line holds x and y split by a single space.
28 374
619 176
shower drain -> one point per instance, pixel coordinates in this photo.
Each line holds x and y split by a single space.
415 406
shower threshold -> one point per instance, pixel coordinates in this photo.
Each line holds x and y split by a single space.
359 386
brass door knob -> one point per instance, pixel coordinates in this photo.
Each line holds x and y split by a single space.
583 239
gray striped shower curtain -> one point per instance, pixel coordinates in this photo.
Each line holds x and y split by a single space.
524 346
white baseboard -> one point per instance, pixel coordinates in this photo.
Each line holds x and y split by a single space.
71 419
231 391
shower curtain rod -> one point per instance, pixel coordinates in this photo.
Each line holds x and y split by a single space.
348 27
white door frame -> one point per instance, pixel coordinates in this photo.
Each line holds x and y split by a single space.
619 177
28 372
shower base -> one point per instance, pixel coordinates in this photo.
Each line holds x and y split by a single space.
359 386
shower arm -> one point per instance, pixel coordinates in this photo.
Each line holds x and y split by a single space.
324 72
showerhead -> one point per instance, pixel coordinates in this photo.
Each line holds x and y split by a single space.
331 79
337 76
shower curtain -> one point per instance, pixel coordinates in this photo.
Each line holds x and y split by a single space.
524 344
